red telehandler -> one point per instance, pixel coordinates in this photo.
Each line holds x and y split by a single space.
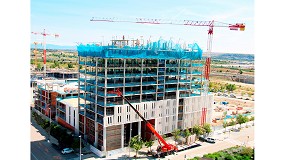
161 150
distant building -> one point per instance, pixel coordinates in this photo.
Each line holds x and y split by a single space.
58 99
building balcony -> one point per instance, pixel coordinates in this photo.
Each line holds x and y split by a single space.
196 72
183 88
91 73
82 71
149 74
195 86
170 89
132 74
149 91
100 120
149 83
91 99
184 95
171 73
160 95
184 65
100 112
62 109
184 81
90 116
89 107
172 65
130 84
62 117
111 85
132 92
197 65
171 81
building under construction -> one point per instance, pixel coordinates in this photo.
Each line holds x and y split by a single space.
163 80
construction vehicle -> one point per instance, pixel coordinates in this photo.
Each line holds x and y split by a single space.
161 150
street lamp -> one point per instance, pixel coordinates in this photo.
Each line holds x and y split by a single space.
80 147
49 116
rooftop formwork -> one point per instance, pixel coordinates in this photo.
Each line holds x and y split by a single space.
154 50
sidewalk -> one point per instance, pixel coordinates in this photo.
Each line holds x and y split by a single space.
38 127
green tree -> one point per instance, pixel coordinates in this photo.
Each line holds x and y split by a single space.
39 66
187 134
240 71
207 128
80 66
136 143
198 130
70 65
240 119
149 144
176 134
231 87
232 122
225 124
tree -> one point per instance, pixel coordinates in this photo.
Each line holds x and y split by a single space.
240 119
39 66
136 143
240 71
232 122
186 134
149 144
230 87
70 65
225 124
176 134
198 130
207 128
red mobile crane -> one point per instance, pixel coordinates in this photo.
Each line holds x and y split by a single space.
167 148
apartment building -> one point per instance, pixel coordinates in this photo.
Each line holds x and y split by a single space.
162 80
58 99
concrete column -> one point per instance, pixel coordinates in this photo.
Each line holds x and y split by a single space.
122 135
104 138
139 128
96 134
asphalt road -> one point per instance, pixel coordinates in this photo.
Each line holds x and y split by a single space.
244 137
41 149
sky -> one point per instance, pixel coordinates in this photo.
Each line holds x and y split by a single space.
71 20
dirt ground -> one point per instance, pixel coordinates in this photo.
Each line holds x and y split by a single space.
233 104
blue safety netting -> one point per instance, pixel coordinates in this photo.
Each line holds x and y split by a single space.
155 50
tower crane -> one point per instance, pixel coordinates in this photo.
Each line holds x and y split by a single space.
35 52
44 34
210 24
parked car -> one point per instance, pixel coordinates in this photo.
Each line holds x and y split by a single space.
67 150
232 96
208 139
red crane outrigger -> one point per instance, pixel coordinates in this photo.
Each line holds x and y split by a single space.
167 148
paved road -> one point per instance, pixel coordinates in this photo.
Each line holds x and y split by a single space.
41 149
245 136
